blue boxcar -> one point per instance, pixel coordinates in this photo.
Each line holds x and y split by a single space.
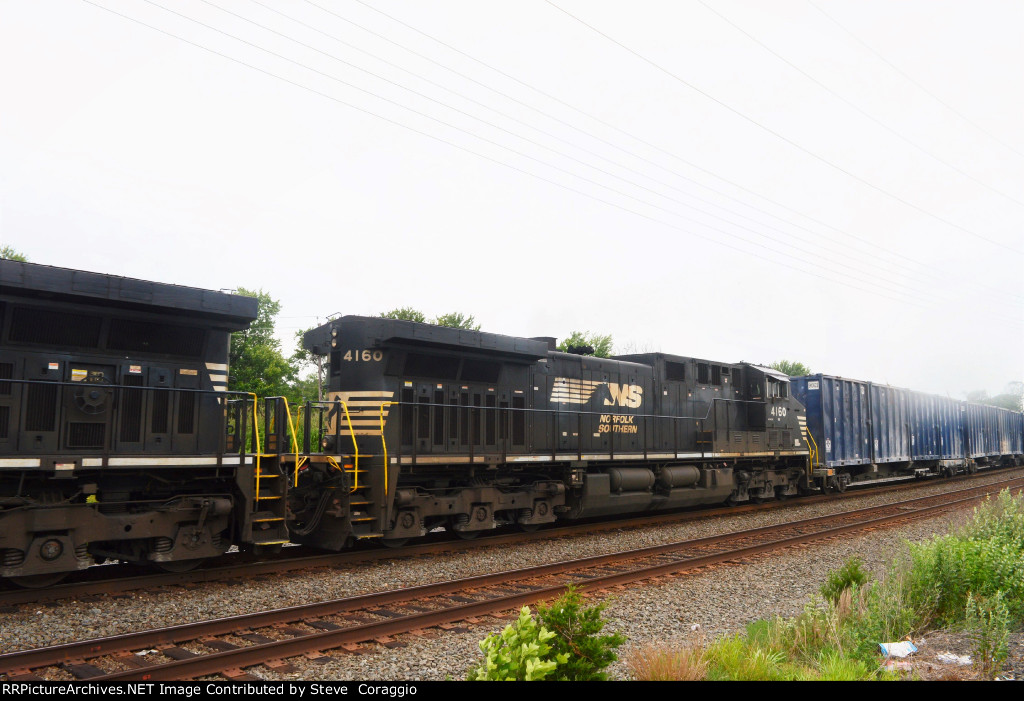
838 415
885 430
890 424
981 430
1010 434
936 428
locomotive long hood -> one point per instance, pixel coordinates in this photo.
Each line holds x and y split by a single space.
382 333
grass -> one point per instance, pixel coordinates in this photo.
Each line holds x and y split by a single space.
971 579
666 663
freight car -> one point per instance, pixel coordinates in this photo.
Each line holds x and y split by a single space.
114 419
430 426
869 431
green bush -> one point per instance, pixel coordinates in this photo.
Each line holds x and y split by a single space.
519 653
578 638
849 576
988 625
973 579
985 557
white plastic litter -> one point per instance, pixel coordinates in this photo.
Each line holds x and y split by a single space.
901 649
950 658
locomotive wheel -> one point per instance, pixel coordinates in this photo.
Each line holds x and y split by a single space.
38 581
529 527
394 542
467 535
178 566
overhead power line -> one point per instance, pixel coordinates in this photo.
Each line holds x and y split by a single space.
917 83
783 263
885 282
784 138
858 109
904 259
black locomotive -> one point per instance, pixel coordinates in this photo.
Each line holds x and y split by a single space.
114 425
470 430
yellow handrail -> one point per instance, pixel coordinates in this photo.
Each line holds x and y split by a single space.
384 444
298 463
256 430
295 440
355 445
814 451
335 464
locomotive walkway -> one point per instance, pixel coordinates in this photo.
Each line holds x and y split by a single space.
227 646
108 579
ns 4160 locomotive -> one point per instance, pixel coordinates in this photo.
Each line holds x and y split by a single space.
429 426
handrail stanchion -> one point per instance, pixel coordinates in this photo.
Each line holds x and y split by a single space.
384 444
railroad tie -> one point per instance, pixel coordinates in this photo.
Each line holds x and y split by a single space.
282 666
254 638
219 645
240 675
178 653
80 670
323 625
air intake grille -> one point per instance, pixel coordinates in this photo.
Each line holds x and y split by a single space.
45 327
146 337
6 373
5 418
186 413
159 418
41 409
131 410
85 435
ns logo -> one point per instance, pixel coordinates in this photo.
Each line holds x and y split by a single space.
624 395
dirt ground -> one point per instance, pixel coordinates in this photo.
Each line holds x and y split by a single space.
936 659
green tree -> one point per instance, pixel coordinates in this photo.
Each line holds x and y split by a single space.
256 362
587 344
578 638
405 314
8 253
311 385
457 320
792 368
1010 399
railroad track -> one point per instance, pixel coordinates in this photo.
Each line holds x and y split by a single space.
95 582
229 645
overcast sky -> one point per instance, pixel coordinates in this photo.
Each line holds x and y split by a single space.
835 182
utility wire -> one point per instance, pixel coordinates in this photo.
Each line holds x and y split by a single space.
638 139
869 257
782 263
855 107
786 139
885 282
921 87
